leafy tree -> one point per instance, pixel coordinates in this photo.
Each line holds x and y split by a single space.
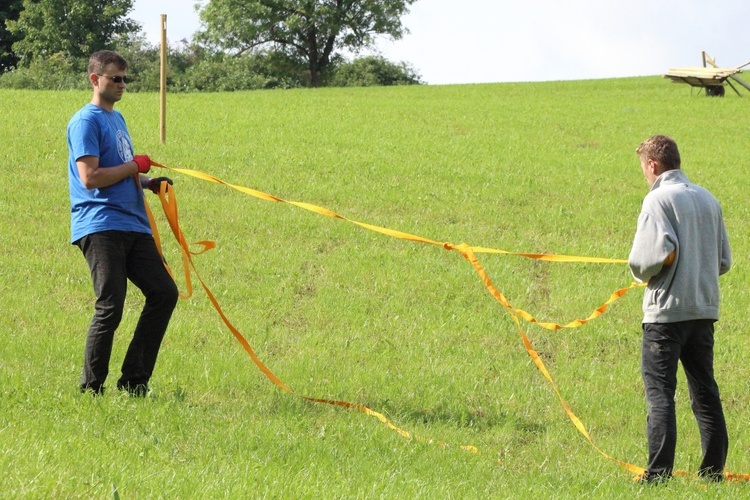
9 11
312 30
73 28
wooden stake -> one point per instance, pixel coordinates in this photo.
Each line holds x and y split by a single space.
163 82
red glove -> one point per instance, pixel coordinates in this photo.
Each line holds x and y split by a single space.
143 162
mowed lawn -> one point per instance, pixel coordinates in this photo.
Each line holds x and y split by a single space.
339 312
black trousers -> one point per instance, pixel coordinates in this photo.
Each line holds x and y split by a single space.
113 258
691 343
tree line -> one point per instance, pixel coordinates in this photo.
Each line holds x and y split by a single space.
243 44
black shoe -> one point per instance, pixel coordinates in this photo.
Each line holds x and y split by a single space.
136 391
711 476
94 390
651 478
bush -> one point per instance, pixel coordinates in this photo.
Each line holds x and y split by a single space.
193 68
56 72
373 71
222 72
144 63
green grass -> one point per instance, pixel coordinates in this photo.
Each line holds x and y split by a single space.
340 312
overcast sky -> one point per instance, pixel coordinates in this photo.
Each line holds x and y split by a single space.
478 41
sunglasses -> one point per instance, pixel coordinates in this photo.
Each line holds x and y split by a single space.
118 78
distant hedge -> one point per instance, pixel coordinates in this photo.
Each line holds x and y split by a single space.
192 68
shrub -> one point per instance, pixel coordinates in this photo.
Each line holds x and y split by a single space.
373 71
56 72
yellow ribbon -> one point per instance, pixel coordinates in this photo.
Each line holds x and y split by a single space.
169 204
448 246
469 255
468 252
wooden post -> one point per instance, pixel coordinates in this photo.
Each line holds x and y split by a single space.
163 82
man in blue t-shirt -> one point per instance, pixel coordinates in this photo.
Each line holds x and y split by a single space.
110 225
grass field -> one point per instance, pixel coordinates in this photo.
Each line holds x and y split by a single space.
339 312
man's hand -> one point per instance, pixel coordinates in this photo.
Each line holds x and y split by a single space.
670 258
155 184
143 162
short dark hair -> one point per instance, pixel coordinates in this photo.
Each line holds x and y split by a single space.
661 149
100 60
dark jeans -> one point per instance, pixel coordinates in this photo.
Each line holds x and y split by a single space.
113 258
690 342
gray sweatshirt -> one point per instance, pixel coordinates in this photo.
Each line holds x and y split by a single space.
680 216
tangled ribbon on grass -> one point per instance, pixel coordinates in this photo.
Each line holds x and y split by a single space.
169 204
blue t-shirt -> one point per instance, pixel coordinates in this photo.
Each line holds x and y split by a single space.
94 131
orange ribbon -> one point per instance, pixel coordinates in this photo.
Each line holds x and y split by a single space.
448 246
468 252
169 204
469 255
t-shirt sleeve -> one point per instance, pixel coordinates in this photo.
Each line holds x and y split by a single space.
83 135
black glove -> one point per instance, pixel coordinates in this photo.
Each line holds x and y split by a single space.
155 183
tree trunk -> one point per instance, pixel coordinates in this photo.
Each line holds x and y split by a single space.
315 72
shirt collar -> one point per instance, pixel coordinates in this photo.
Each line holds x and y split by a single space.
674 176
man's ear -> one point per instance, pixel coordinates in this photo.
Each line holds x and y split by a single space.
654 167
94 79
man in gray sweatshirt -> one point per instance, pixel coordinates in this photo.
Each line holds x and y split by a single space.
680 248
